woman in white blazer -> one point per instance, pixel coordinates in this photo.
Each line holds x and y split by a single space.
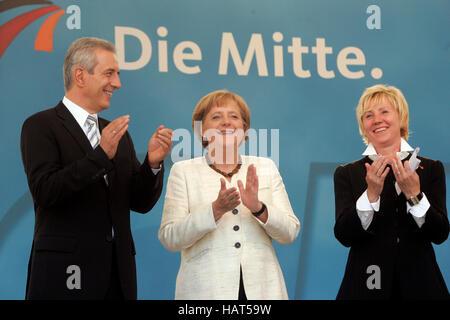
223 210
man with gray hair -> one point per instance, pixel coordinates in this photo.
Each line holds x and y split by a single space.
84 177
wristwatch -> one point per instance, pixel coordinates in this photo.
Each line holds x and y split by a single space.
415 200
257 214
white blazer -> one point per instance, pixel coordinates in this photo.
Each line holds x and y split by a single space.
212 252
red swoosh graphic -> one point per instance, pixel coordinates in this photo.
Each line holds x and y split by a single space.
13 27
44 38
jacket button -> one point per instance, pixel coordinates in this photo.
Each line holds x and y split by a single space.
237 245
398 239
235 211
109 238
236 228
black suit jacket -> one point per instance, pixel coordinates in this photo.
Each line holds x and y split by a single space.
75 209
393 242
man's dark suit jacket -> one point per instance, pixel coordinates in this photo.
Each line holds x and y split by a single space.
75 209
393 242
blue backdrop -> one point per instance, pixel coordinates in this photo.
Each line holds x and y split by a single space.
301 66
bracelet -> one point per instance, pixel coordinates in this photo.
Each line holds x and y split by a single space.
257 214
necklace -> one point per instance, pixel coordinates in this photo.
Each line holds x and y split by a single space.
230 174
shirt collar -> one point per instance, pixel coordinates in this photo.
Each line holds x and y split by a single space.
404 148
78 112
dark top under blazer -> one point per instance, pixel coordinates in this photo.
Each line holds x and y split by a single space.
393 241
75 209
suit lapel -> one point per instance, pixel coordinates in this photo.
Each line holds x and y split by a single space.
73 127
78 134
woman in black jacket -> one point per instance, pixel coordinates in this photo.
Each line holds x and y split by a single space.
390 208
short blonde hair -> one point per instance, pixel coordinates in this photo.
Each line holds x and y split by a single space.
377 93
217 98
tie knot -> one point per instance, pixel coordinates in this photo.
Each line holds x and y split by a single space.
91 119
